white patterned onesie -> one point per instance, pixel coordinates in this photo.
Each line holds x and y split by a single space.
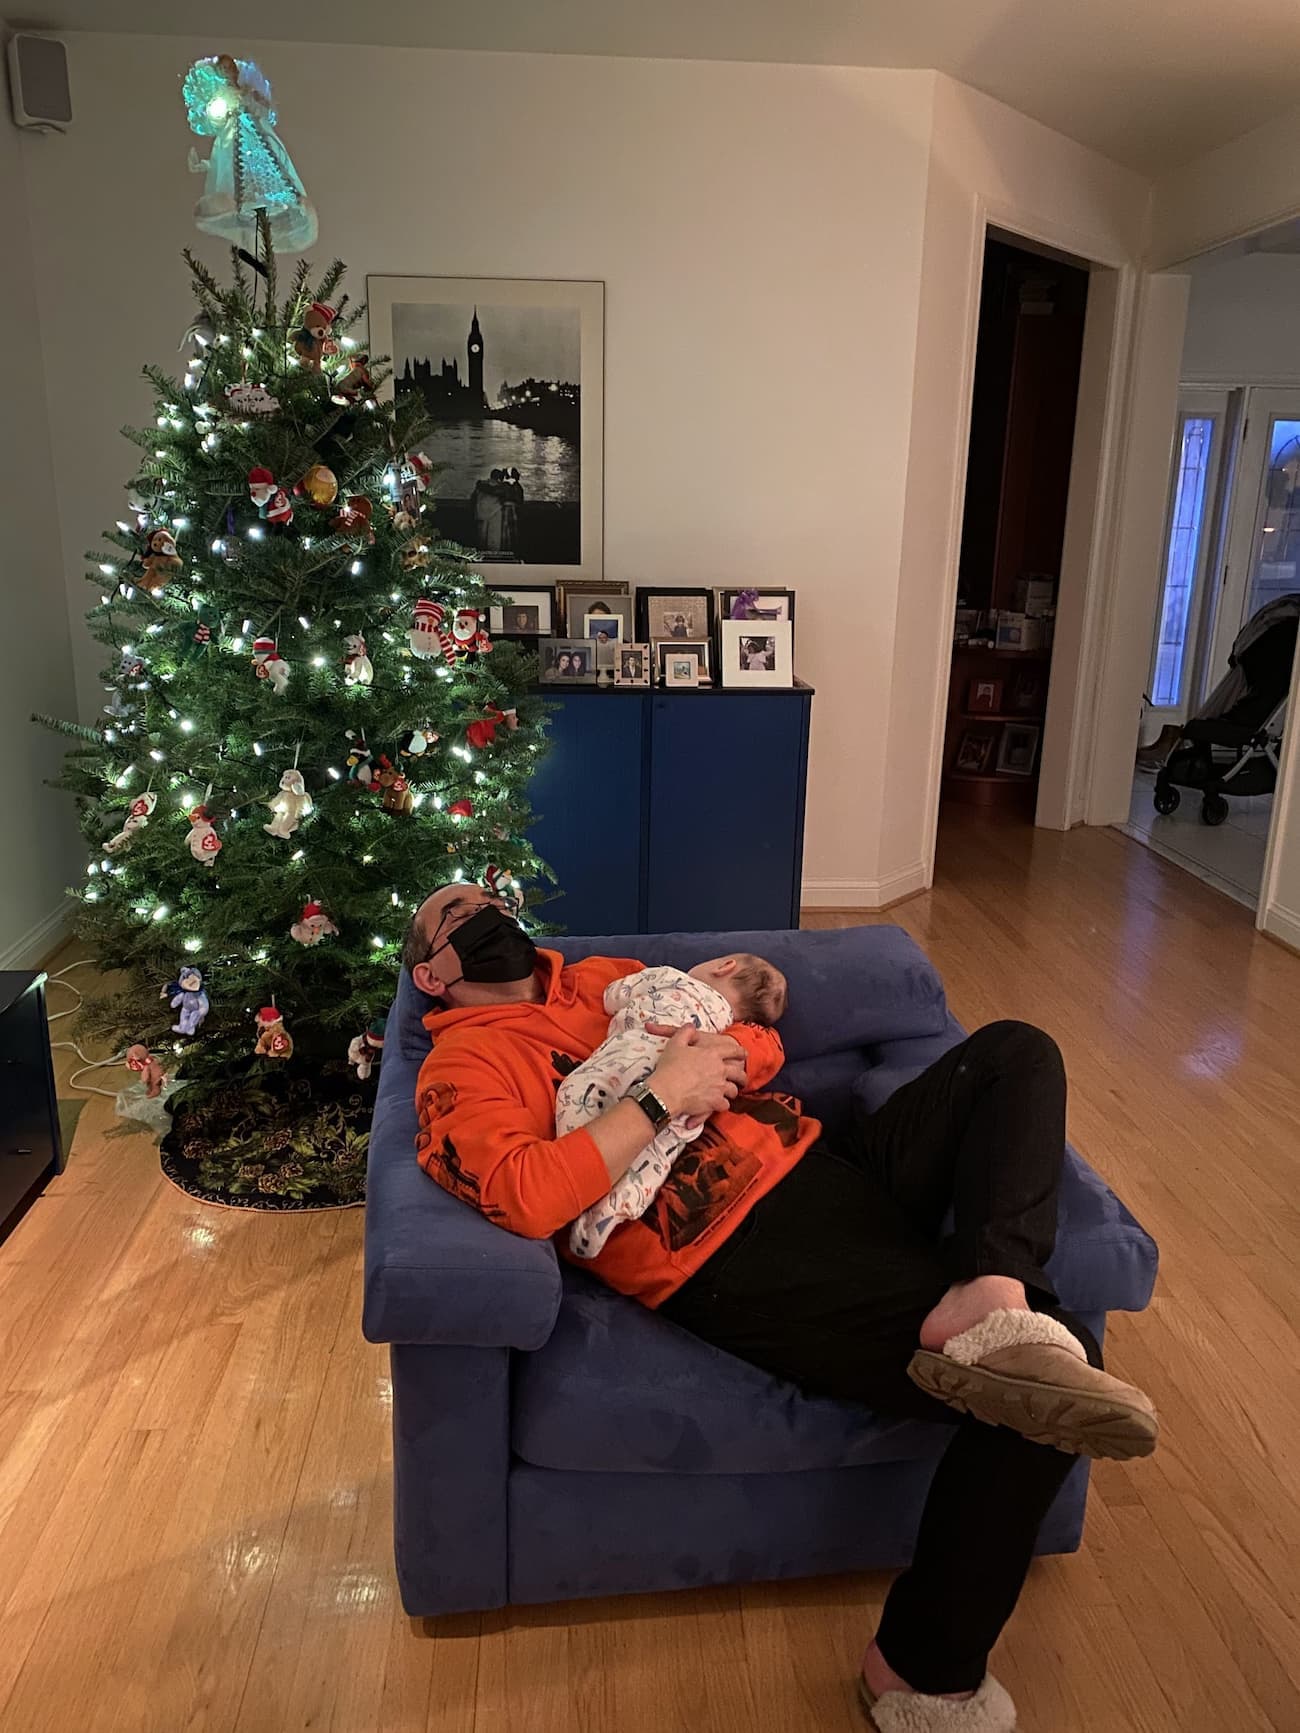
628 1055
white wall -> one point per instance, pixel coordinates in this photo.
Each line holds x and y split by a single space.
759 231
987 162
39 854
1243 320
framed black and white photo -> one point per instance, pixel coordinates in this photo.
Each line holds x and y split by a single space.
1018 749
581 605
526 613
666 648
683 615
757 653
511 375
632 665
568 662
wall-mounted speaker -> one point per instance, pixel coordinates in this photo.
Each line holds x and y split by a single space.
38 82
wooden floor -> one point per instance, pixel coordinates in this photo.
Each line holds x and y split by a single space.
194 1440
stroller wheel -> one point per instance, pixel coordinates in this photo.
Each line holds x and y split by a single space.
1214 809
1166 798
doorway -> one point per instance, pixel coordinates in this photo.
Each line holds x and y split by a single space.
1028 358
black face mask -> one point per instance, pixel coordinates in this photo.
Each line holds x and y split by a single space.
492 948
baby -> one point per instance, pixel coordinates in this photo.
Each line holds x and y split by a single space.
712 996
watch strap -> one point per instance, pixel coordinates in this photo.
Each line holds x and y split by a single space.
650 1104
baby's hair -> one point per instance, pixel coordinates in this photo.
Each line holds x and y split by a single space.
760 990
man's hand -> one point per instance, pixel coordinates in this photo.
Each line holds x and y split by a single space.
698 1073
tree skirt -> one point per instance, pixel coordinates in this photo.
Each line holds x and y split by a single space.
285 1140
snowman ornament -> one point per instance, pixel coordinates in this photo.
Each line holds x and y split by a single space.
289 807
205 844
358 669
269 664
428 636
138 815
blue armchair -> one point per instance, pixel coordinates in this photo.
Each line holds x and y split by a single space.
553 1439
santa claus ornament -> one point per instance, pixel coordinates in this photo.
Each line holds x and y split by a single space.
138 815
312 926
160 559
272 501
289 807
428 636
483 732
270 665
461 809
312 340
204 843
273 1040
358 669
469 632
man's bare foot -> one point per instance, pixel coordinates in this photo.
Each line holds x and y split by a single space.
881 1677
969 1303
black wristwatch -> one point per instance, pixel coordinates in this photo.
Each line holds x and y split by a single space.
650 1104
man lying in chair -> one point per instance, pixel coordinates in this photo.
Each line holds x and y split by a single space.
824 1264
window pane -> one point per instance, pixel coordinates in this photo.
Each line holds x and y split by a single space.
1279 541
1182 561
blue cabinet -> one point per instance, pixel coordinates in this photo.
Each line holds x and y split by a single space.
674 811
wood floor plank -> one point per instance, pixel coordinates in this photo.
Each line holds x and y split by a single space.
195 1454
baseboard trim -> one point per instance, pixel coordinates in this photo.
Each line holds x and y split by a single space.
1282 925
36 944
865 893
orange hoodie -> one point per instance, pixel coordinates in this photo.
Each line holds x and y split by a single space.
486 1104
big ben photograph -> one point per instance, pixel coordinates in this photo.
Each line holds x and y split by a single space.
510 376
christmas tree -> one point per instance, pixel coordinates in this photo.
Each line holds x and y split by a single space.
308 729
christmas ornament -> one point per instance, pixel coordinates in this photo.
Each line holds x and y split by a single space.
505 887
269 664
272 502
320 484
152 1076
312 340
355 384
290 806
273 1040
194 640
312 926
160 559
414 554
469 632
353 518
199 334
360 767
415 742
417 470
249 170
365 1051
396 790
138 815
461 809
245 400
205 844
129 667
358 669
428 637
483 732
187 996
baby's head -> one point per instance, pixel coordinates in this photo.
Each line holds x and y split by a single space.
755 989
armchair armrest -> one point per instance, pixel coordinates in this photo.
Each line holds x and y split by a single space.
437 1272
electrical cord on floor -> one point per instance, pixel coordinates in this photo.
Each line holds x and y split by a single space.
87 1064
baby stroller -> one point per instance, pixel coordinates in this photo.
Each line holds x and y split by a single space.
1231 745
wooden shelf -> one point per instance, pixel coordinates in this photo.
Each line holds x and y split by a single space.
1027 716
988 776
1001 655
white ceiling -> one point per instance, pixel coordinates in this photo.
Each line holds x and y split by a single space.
1150 83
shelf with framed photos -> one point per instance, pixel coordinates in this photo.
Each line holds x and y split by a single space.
625 762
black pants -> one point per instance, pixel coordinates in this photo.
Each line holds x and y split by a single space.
829 1278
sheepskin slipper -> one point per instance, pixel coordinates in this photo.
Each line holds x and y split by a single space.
1026 1371
990 1710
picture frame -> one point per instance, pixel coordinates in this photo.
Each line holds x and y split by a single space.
770 602
511 373
537 601
984 694
1028 691
568 662
757 652
1018 749
661 648
580 602
974 752
603 630
682 615
632 664
682 667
